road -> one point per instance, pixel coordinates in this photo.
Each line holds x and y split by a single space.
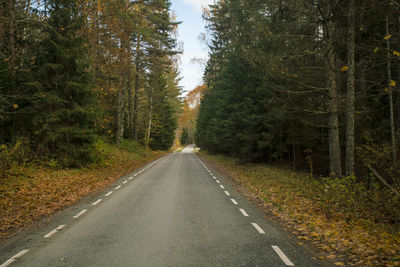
174 212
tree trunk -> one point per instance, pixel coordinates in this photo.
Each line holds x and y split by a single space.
390 92
333 106
120 116
397 104
148 134
11 39
136 93
350 89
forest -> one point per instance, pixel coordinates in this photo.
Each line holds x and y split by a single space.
312 85
76 73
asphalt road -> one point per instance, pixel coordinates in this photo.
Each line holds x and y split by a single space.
174 212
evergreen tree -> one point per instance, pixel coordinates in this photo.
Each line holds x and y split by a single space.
64 120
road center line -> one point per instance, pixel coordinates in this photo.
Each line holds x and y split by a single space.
97 202
234 201
244 212
79 214
221 186
282 256
227 193
13 258
118 187
258 228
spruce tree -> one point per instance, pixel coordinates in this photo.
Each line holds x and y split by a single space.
63 126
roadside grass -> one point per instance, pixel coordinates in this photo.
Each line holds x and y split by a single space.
36 190
350 224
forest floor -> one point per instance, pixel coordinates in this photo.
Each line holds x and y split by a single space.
297 204
35 191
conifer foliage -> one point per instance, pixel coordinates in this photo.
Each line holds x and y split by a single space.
73 72
310 84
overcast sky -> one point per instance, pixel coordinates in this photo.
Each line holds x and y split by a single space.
190 13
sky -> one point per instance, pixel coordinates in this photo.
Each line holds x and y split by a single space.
190 13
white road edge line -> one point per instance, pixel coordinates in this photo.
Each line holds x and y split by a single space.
234 201
282 256
222 187
227 193
258 228
13 258
97 202
118 187
109 193
79 214
60 227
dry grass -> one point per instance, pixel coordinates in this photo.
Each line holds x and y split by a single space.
329 216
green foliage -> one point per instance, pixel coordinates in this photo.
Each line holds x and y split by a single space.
163 130
184 136
12 156
65 111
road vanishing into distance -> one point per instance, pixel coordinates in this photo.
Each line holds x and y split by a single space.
176 211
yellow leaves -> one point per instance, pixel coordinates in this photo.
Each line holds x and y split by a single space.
295 75
376 49
393 83
362 29
62 29
339 263
386 90
387 37
15 106
314 234
344 68
395 53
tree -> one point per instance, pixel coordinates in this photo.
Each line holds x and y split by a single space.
63 125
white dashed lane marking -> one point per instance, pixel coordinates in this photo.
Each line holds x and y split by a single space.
124 182
80 214
282 256
109 193
118 187
258 228
97 202
13 258
60 227
221 186
227 193
244 212
234 201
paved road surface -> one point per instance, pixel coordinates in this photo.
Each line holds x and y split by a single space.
176 212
